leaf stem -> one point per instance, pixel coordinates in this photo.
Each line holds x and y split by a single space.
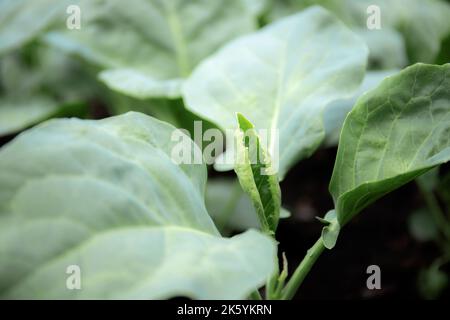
303 269
272 281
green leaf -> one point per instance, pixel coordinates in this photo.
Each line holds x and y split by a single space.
422 23
256 175
18 114
257 7
395 133
22 20
444 190
414 28
335 112
106 196
229 206
330 232
281 78
147 47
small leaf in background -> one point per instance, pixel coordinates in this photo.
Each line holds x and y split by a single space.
18 114
229 206
330 232
395 133
429 181
422 226
281 77
105 196
256 175
23 20
148 46
432 281
33 92
411 29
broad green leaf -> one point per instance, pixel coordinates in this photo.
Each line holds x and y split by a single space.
229 206
18 114
39 69
257 7
415 27
107 197
33 92
147 47
422 23
280 78
22 20
395 133
257 176
335 112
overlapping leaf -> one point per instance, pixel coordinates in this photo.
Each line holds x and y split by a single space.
23 20
106 196
281 78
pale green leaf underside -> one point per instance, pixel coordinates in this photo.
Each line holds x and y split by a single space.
280 77
230 207
395 133
105 195
154 40
18 113
423 23
139 85
22 20
413 28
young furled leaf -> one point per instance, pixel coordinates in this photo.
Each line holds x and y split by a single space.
147 47
257 177
395 133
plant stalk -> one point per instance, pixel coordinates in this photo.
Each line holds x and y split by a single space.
302 270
